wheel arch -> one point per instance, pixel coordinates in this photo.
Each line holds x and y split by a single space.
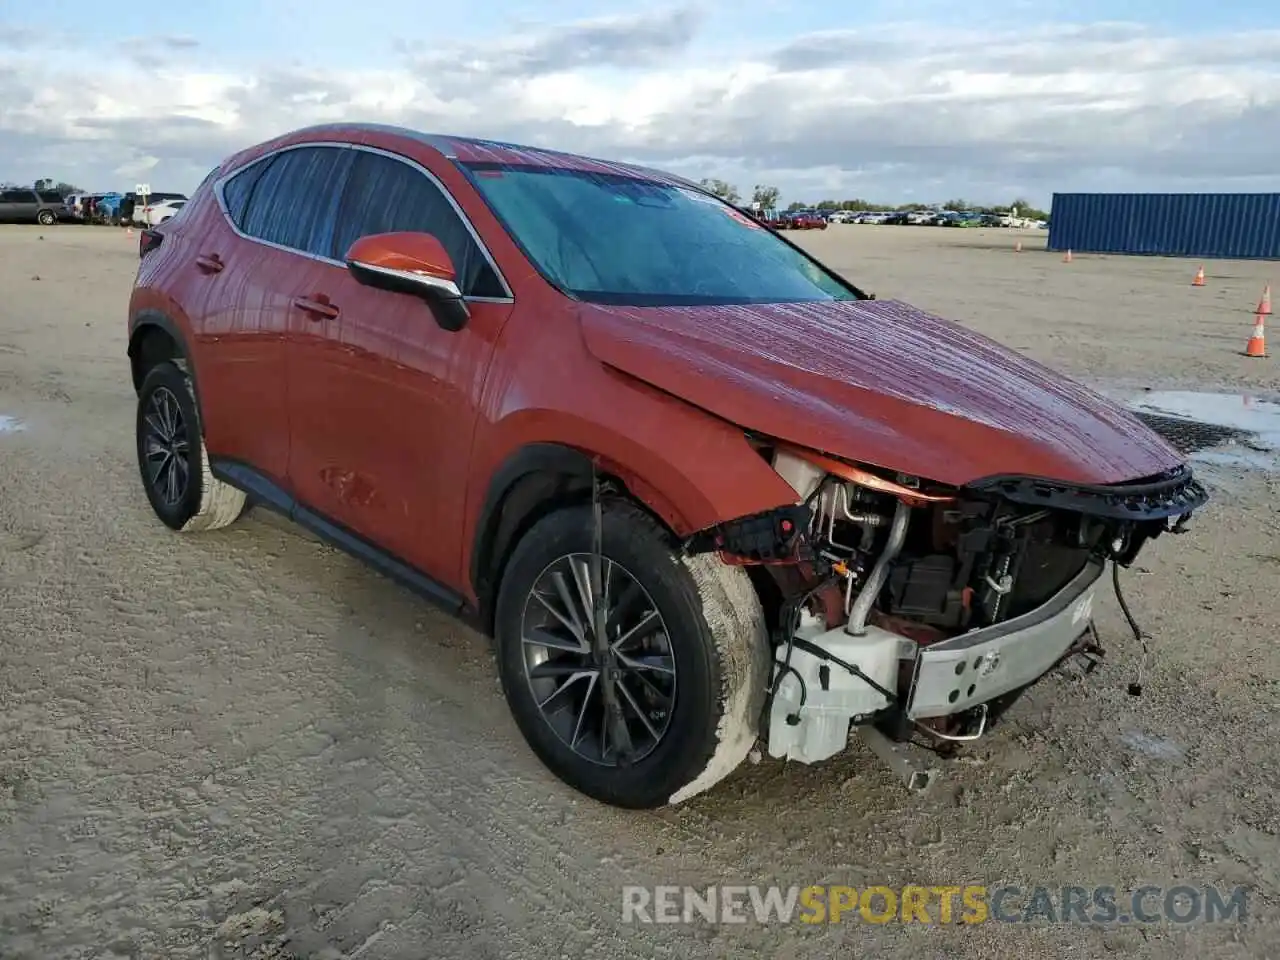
535 480
154 337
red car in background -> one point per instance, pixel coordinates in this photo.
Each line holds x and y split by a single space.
806 220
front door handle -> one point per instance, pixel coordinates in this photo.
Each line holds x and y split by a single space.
210 263
316 307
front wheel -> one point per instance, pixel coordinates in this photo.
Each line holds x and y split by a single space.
45 218
656 694
172 460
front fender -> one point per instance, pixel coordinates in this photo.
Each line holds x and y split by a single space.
690 469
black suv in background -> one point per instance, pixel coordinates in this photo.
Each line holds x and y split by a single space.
24 205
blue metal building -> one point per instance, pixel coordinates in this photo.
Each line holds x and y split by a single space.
1243 226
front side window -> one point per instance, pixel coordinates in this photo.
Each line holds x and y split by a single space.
386 195
616 239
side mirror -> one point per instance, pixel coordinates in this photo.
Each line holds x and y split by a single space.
412 263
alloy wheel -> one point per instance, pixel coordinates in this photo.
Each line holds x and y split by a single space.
603 678
166 446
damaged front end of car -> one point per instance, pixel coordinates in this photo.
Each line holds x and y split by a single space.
915 613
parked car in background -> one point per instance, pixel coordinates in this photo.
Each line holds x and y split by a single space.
953 218
806 220
158 213
26 205
131 212
88 207
75 205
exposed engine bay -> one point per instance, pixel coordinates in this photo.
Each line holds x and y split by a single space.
918 613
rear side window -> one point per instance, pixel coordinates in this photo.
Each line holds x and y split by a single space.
17 196
385 195
294 200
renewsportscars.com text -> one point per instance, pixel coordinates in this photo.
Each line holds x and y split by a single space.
967 904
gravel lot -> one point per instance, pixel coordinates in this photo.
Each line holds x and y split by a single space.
247 744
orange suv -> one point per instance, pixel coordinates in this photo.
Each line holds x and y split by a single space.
700 490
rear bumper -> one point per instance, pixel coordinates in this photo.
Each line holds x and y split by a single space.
959 674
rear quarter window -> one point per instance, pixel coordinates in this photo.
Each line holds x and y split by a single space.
294 202
238 190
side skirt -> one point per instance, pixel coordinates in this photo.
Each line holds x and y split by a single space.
268 493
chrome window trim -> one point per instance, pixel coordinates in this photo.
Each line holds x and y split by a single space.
219 186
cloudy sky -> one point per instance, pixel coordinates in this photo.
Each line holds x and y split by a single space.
896 101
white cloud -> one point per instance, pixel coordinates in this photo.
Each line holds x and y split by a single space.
887 113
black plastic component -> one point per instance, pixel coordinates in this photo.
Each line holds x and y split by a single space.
270 495
926 589
1044 567
149 240
1170 494
762 538
531 479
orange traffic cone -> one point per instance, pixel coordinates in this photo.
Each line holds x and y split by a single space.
1199 280
1257 345
128 231
1067 257
1017 247
1264 305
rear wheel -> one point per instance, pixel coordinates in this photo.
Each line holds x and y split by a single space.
171 456
662 701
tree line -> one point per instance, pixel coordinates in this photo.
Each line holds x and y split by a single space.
767 199
43 185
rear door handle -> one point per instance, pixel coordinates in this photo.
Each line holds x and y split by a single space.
210 263
317 309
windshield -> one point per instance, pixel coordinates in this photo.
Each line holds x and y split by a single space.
613 239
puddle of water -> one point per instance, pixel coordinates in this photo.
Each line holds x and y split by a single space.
1223 429
11 424
1150 745
1239 412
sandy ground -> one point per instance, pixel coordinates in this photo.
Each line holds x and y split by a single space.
246 744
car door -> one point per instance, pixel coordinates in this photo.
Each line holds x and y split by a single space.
29 206
382 401
245 271
19 206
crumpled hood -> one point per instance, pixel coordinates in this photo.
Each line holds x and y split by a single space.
880 382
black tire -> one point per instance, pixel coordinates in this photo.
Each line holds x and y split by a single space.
46 218
186 496
718 643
